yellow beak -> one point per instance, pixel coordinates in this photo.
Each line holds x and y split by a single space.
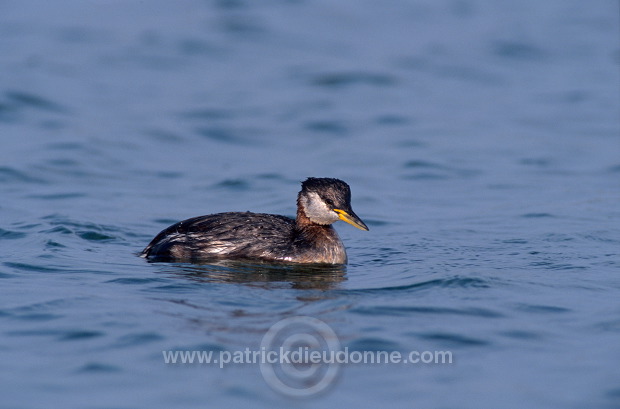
351 218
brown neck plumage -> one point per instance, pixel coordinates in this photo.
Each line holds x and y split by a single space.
302 221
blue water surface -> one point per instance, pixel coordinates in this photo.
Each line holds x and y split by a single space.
481 141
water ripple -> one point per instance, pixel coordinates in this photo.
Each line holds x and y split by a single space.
32 267
517 50
345 79
453 340
429 170
373 344
98 367
10 175
85 230
19 99
331 127
79 335
11 235
543 309
536 215
521 335
138 339
136 280
408 310
452 282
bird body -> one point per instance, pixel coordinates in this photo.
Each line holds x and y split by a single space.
309 238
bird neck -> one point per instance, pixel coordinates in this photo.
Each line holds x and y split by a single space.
302 221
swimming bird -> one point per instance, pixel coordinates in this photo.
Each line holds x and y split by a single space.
309 238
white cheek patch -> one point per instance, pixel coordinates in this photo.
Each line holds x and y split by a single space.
317 210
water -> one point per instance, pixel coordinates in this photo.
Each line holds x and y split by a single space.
481 141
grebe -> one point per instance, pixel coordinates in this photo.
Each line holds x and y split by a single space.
309 238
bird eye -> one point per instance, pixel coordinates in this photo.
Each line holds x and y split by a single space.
329 202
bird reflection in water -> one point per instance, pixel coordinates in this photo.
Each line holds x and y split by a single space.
264 275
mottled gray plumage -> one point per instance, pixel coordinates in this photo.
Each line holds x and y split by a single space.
309 238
